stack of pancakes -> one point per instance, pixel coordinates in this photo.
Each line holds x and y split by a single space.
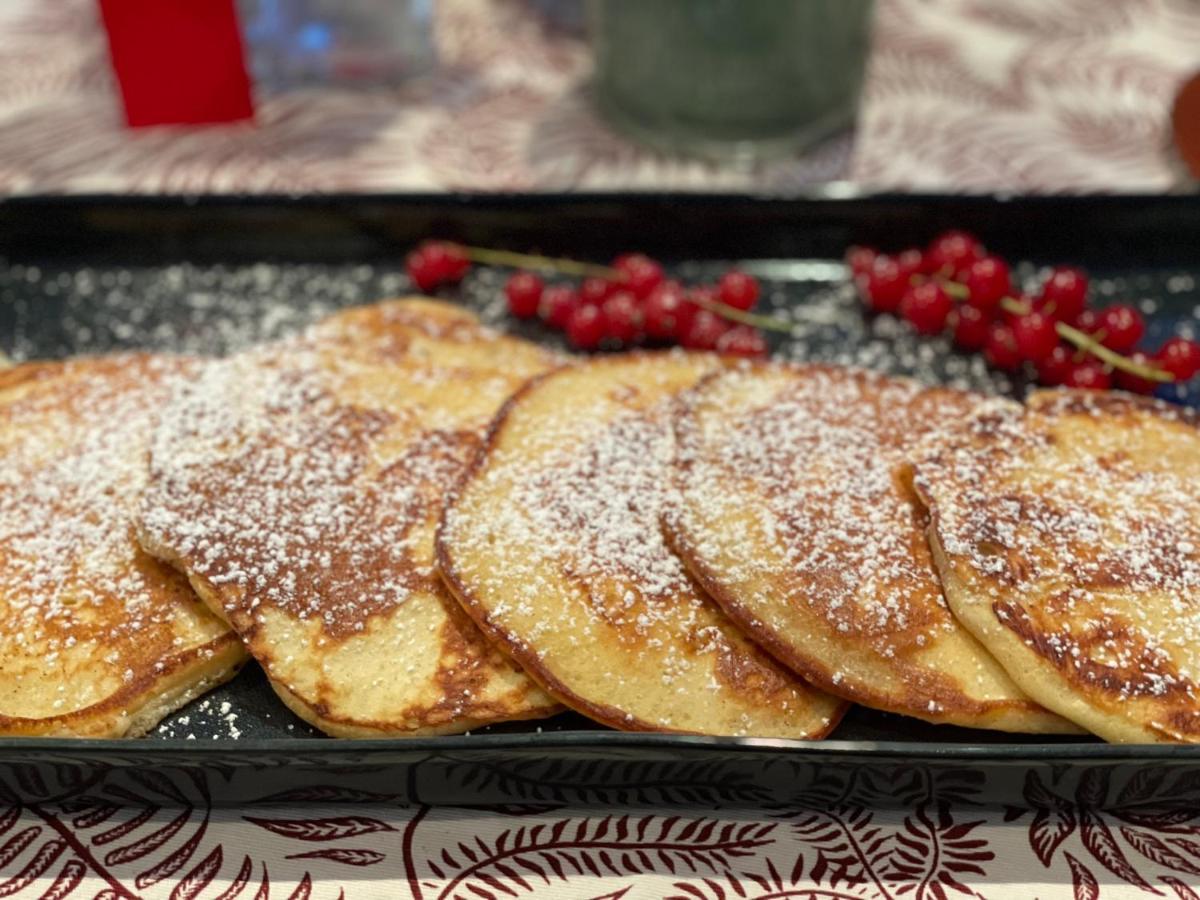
418 526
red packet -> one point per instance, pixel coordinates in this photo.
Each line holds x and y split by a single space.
178 61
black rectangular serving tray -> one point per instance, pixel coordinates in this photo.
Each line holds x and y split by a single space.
212 274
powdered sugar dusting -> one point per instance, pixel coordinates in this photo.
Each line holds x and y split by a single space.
301 482
307 475
589 511
813 456
797 513
568 551
1080 516
259 485
598 506
77 594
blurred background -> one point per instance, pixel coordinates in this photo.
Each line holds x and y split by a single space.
553 95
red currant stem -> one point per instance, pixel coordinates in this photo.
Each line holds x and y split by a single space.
1015 307
1089 344
1009 304
541 263
1116 360
745 318
1074 336
953 288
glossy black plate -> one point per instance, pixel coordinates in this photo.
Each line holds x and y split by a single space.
211 275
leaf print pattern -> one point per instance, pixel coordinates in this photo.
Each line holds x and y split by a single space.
1048 831
1144 830
347 855
509 110
322 829
844 842
1082 880
634 781
558 850
1181 889
1100 842
1143 786
118 844
1151 847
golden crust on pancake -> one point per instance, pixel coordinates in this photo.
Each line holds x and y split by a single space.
299 485
1067 534
796 514
97 639
553 544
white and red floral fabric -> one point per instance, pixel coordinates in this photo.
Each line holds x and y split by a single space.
1102 839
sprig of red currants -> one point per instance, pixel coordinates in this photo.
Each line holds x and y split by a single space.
629 303
955 285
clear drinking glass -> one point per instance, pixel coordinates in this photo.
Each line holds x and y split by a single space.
729 79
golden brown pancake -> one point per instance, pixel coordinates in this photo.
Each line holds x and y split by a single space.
553 545
299 485
1067 534
96 638
796 514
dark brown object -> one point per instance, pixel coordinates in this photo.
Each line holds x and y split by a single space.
1185 122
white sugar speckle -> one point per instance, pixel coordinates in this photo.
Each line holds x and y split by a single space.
1068 514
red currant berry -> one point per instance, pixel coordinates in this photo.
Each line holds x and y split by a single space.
423 271
1052 368
926 306
1088 321
1038 304
559 303
442 258
524 293
884 285
1123 327
667 311
639 274
1001 348
911 262
860 259
586 327
1089 375
1180 357
1135 384
704 331
594 291
988 282
952 252
739 290
1035 336
455 263
1064 295
699 297
622 317
970 326
742 340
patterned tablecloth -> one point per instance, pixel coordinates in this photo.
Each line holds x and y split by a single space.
961 94
938 846
970 94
